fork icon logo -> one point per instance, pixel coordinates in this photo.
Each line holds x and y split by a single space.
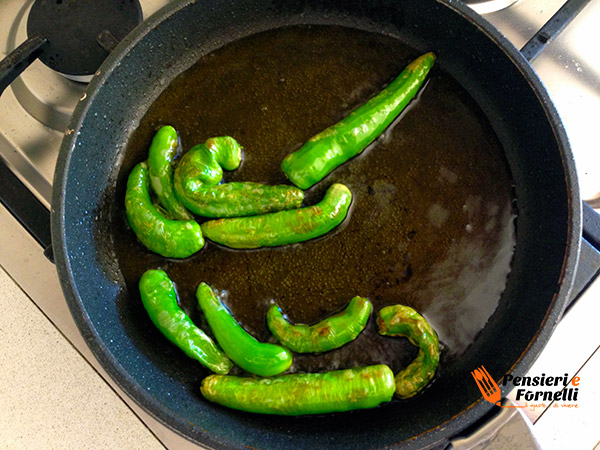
489 388
486 384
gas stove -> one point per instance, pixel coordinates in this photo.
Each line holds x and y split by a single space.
35 110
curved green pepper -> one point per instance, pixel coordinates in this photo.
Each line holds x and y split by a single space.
203 164
283 227
160 300
400 320
326 335
346 139
161 155
170 238
197 178
244 350
303 393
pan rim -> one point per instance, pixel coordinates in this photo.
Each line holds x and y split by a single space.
173 421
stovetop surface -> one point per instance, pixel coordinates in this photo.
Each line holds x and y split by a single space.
35 111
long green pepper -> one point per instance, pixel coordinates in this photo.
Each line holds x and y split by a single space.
403 321
160 300
200 170
169 238
329 334
303 393
337 144
161 155
244 350
283 227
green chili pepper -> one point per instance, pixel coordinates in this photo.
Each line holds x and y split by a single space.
399 320
283 227
244 350
303 393
326 335
203 164
160 300
346 139
197 178
170 238
161 155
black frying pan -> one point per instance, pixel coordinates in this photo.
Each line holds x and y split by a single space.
507 91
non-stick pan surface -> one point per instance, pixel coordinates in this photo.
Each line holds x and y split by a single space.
496 76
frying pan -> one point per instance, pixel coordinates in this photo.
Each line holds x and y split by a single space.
497 77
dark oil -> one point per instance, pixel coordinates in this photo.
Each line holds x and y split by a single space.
431 223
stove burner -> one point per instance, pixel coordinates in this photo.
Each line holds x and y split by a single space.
488 6
81 33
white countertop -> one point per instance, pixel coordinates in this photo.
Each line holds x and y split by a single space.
51 396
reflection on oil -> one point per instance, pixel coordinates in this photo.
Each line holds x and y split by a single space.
474 275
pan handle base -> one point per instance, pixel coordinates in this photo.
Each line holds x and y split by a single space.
509 428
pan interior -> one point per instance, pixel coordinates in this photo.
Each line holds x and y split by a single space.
431 224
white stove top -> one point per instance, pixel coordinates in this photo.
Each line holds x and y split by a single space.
35 110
